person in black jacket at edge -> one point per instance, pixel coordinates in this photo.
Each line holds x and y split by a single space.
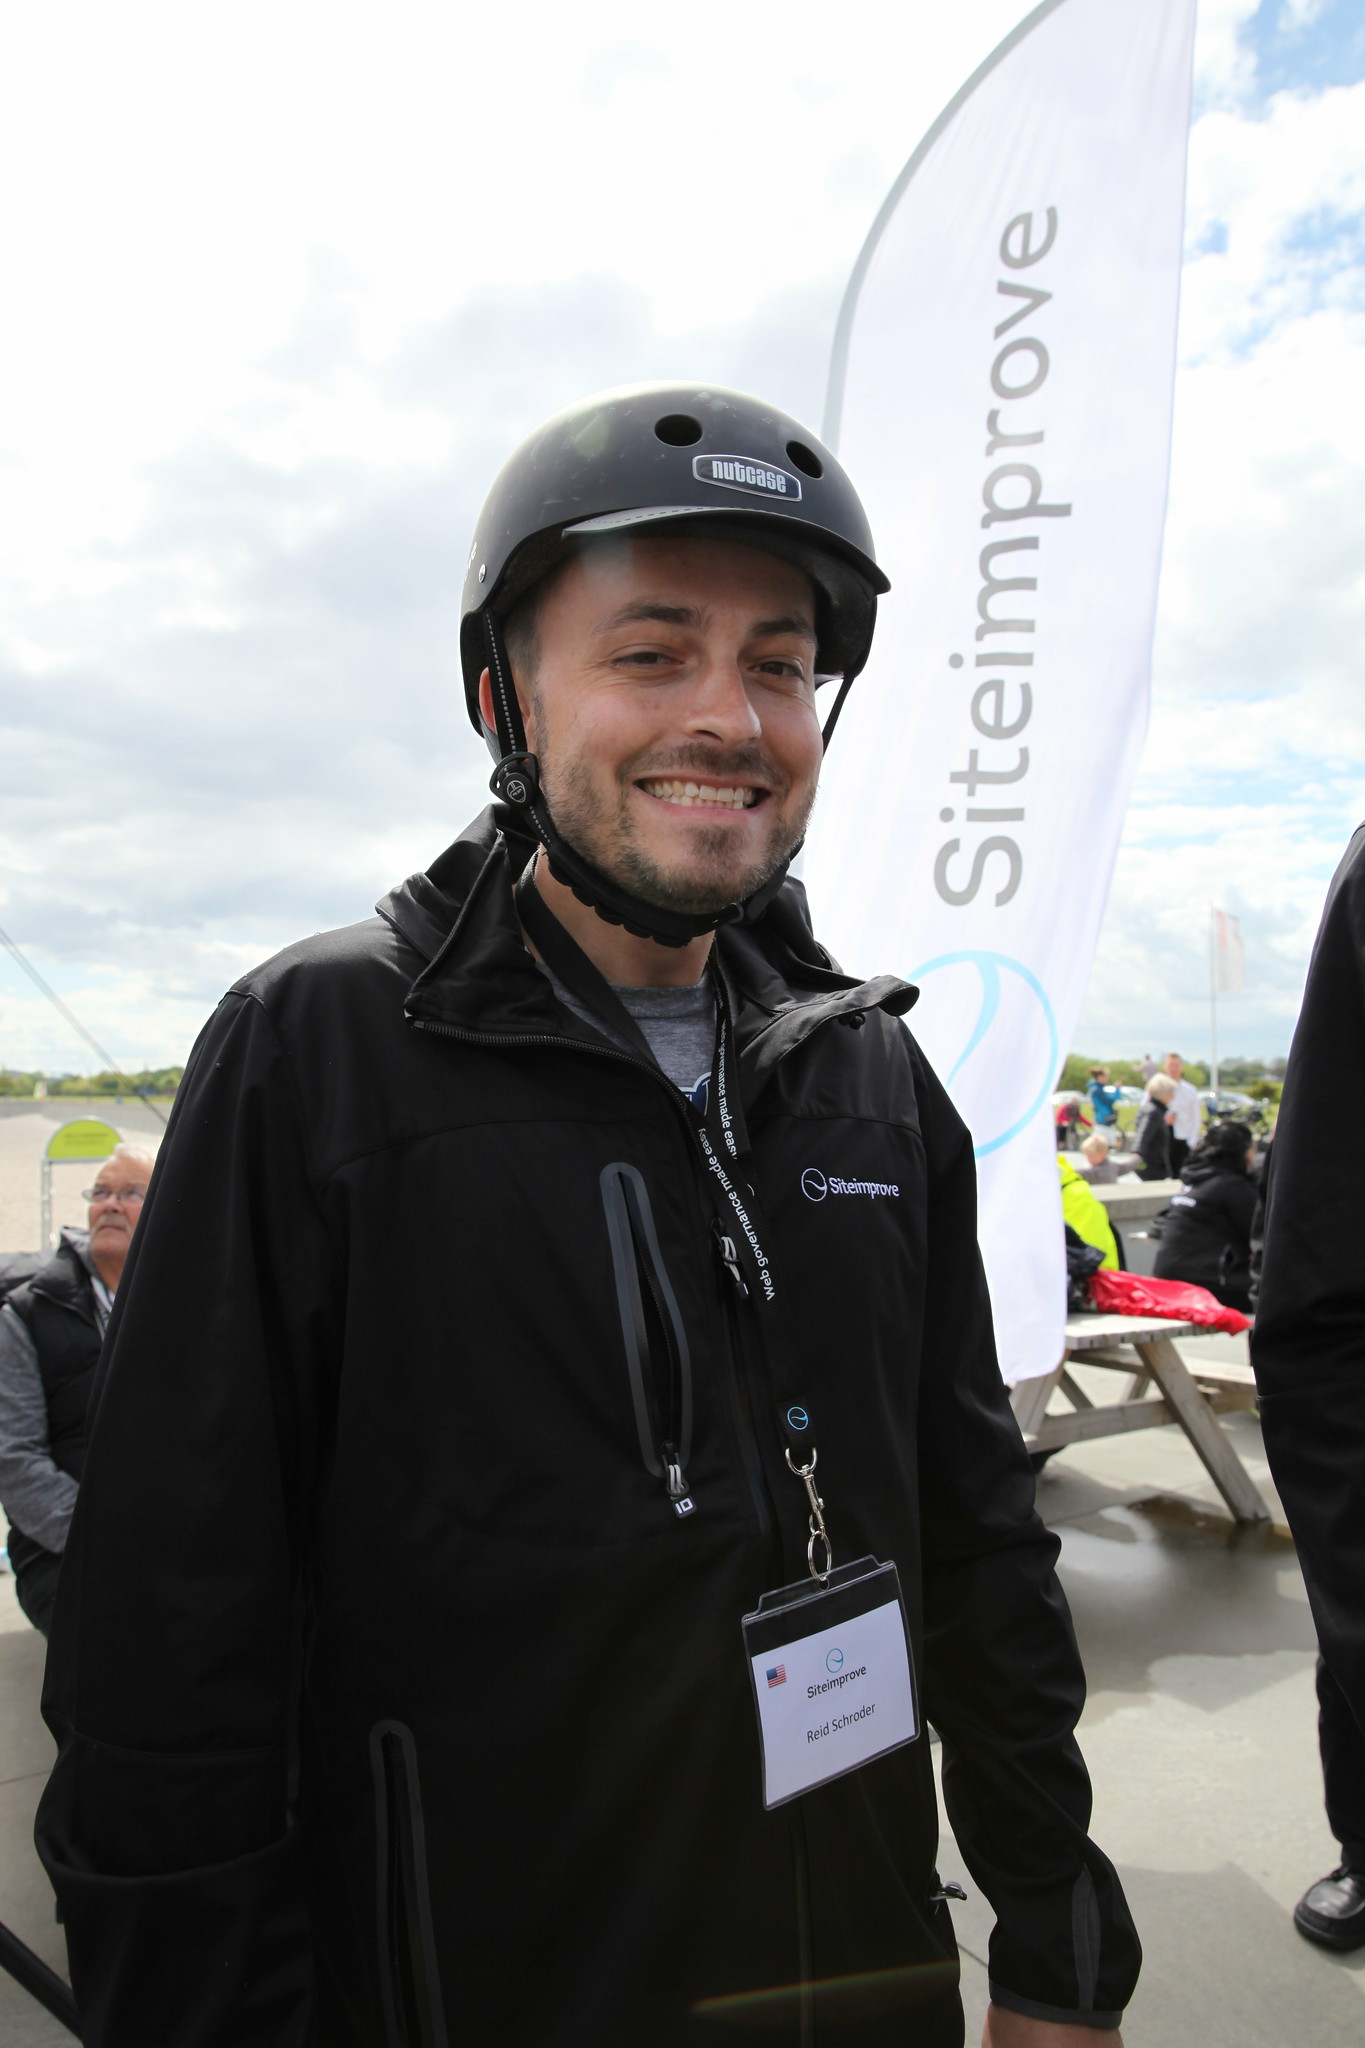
1206 1229
517 1266
51 1328
1308 1348
1152 1133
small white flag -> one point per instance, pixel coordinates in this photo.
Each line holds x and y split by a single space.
1229 957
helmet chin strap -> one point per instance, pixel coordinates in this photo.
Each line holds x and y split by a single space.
516 780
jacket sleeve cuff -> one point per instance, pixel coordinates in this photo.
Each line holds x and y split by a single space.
1107 2022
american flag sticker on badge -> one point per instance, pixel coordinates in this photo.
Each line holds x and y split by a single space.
778 1675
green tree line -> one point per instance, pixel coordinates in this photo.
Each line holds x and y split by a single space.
150 1081
1262 1080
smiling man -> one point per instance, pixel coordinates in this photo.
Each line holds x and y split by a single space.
552 1466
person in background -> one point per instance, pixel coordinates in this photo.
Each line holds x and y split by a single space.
1147 1068
1105 1097
1308 1348
1206 1232
1071 1121
1186 1114
1152 1137
51 1328
1095 1164
1087 1216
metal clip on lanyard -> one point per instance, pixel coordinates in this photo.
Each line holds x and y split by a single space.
818 1532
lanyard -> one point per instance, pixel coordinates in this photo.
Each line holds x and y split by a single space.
721 1134
104 1302
725 1132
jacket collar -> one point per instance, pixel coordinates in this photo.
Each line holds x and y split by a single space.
479 979
66 1277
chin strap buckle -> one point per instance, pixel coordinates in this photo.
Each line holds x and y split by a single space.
516 779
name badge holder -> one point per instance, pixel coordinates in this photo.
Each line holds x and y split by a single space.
831 1675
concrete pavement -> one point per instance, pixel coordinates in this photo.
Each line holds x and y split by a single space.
1201 1736
26 1751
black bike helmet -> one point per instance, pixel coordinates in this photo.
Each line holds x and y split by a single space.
667 458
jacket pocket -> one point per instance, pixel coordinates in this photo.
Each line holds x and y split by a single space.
410 1982
657 1358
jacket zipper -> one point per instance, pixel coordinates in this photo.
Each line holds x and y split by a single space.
671 1452
734 1289
661 1389
410 1984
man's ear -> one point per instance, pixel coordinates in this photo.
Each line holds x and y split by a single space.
486 709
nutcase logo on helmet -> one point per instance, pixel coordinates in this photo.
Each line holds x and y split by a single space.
742 473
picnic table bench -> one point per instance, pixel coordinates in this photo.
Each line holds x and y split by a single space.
1160 1389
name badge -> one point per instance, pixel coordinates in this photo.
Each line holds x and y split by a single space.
830 1669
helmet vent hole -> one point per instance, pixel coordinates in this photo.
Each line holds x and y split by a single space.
679 429
805 458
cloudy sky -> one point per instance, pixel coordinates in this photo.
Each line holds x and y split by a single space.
285 283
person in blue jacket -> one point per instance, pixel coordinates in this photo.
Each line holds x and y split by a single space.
1105 1097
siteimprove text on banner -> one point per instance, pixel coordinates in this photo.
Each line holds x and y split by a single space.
1001 393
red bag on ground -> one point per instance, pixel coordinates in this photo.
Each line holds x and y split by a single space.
1176 1301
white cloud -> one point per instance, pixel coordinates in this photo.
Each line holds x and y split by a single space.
285 288
1301 13
1224 69
1284 195
285 285
1254 772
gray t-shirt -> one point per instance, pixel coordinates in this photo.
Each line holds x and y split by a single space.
679 1023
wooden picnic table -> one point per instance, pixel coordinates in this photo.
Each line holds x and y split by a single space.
1160 1388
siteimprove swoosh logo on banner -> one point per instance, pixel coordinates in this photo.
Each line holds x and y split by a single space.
1013 1043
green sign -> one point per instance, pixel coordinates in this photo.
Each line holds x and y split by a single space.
86 1138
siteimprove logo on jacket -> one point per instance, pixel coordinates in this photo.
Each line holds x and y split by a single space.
816 1185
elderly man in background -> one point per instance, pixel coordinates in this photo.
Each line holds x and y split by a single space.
51 1328
1186 1115
1152 1132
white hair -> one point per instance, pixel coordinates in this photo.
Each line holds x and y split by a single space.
1100 1138
144 1155
1161 1086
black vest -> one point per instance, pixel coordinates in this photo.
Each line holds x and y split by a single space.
57 1306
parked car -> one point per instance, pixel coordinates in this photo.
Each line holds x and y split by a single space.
1227 1103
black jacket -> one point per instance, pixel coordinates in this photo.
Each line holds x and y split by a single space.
1308 1345
1152 1140
57 1308
1206 1231
367 1367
